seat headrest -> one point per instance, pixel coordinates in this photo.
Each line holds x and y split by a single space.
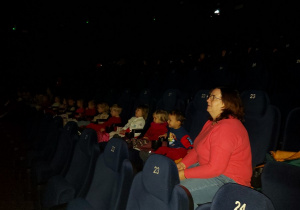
232 195
255 102
159 176
200 99
88 141
115 152
71 127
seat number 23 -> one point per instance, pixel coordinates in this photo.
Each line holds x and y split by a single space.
239 206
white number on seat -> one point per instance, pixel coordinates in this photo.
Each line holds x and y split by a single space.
239 207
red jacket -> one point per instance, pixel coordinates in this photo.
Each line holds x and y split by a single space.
109 122
155 130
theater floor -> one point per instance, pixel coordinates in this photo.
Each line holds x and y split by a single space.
14 193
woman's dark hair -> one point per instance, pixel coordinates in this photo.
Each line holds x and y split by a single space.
233 105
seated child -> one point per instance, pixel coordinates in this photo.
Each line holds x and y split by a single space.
179 141
136 122
80 111
90 111
157 128
115 112
71 108
103 113
63 106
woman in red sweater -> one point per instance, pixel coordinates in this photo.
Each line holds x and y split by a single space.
221 151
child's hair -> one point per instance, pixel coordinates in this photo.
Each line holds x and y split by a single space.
179 116
91 102
145 110
116 108
80 100
104 106
162 115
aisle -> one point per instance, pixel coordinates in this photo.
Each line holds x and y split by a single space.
13 189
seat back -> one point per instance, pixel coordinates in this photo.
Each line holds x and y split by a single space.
126 101
112 177
157 186
235 196
291 132
50 144
281 183
82 165
262 121
196 114
172 99
64 151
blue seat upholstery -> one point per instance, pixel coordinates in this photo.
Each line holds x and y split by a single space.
61 189
291 132
196 114
43 170
46 143
281 183
172 99
111 181
262 121
235 196
157 187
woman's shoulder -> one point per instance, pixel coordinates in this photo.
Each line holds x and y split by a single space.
230 124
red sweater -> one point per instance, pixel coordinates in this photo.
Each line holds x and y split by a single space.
155 130
222 148
109 122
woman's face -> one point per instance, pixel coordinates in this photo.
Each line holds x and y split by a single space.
215 104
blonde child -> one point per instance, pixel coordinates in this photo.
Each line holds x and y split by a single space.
136 122
158 127
103 113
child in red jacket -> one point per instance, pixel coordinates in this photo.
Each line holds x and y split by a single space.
115 118
157 128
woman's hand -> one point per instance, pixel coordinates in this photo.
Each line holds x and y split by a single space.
102 129
180 166
181 175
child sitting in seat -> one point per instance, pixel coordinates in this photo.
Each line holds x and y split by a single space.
179 141
115 112
136 122
103 113
90 111
80 111
158 127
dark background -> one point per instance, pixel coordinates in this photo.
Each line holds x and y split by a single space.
56 38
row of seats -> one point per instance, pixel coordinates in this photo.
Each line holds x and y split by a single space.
263 120
113 186
73 150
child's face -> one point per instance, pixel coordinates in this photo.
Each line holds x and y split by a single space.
57 100
114 113
79 103
156 118
71 102
138 113
91 105
100 109
173 123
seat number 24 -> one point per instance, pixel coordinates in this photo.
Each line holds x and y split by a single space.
239 206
